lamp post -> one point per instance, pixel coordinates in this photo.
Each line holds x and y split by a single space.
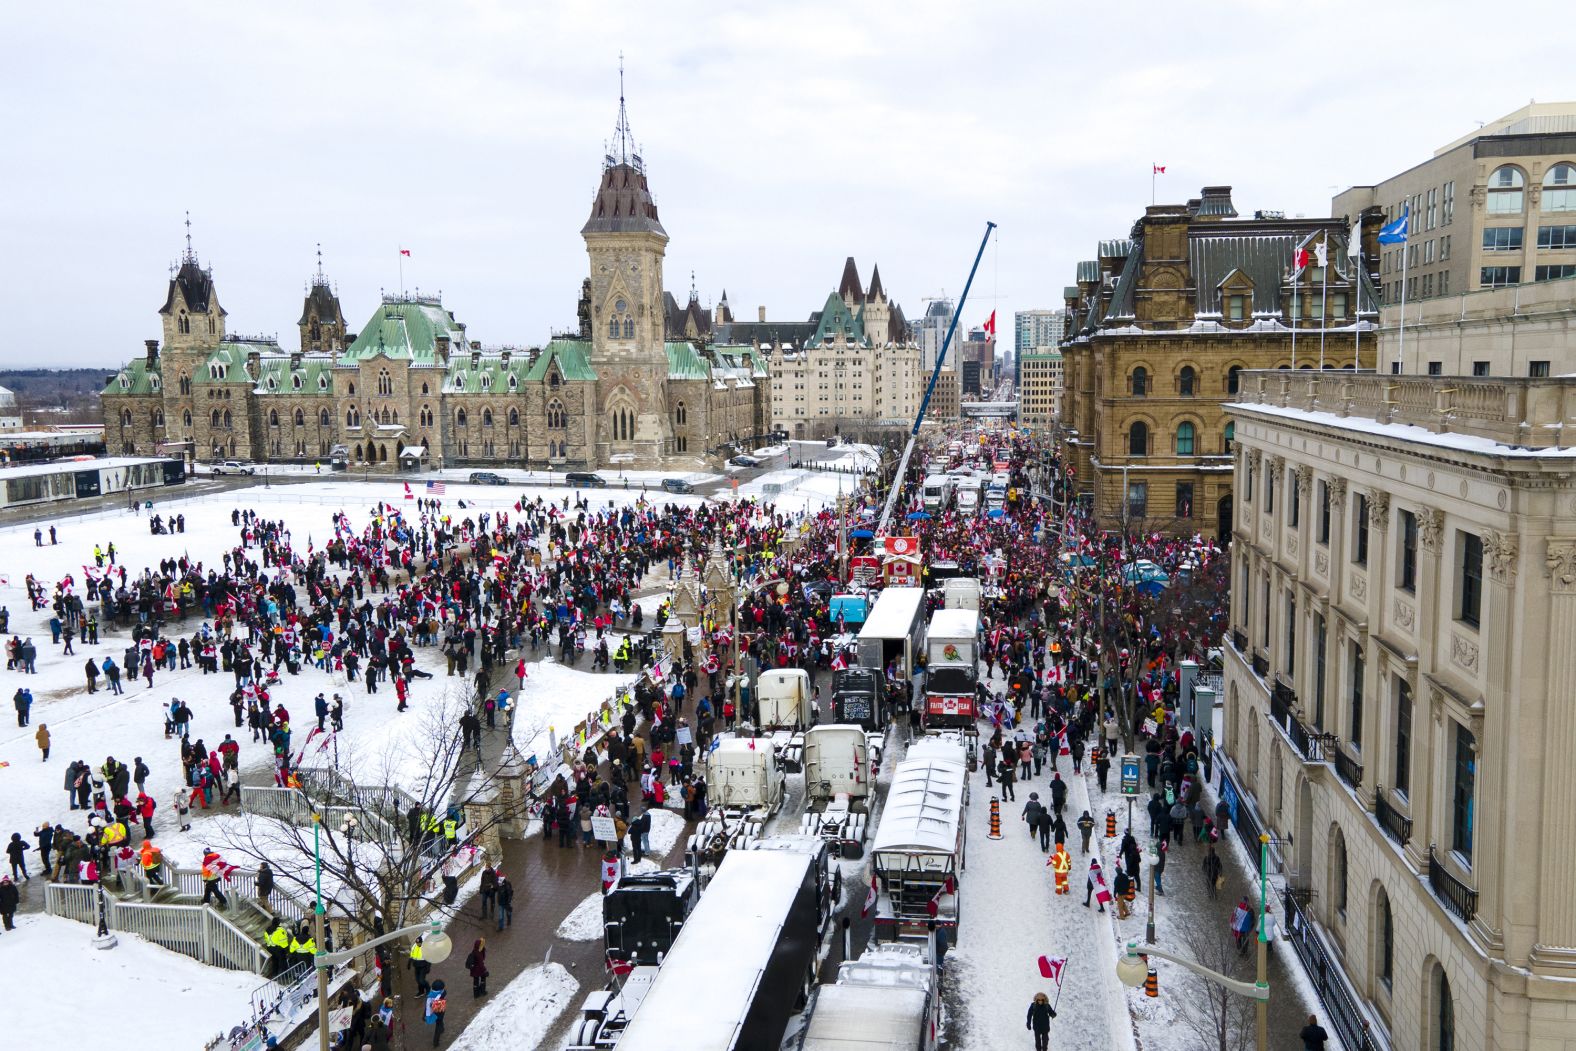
1263 969
436 945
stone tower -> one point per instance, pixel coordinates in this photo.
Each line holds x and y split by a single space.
322 323
625 242
193 323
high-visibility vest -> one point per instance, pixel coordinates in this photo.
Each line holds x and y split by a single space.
1061 862
450 828
278 939
415 952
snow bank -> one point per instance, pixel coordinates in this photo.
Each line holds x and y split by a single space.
61 965
584 922
520 1016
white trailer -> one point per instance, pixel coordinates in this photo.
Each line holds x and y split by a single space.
784 699
968 496
841 762
893 631
919 849
937 493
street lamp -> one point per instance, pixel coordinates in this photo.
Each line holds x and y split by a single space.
435 944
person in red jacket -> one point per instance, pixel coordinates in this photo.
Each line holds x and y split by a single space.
145 807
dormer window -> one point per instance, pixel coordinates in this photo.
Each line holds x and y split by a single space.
552 379
154 382
459 383
486 382
125 382
514 382
295 382
273 384
322 382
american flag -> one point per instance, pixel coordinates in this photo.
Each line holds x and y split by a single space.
435 488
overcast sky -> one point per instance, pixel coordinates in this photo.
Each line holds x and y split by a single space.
779 138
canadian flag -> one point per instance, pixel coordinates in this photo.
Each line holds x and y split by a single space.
990 325
1299 258
900 545
933 906
839 662
619 966
1052 966
870 899
408 494
1159 169
1061 740
405 252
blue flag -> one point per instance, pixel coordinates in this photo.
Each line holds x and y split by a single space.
1395 233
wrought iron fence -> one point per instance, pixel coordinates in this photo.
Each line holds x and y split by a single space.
1348 769
1452 892
1341 1004
1396 824
1242 818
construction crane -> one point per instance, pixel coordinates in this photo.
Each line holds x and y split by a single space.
935 373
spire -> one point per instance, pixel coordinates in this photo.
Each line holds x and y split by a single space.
694 295
319 279
622 149
190 256
876 291
850 289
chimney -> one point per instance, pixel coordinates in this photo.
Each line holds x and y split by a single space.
295 360
476 344
254 364
761 314
503 357
153 351
476 356
443 349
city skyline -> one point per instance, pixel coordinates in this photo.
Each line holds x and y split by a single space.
777 144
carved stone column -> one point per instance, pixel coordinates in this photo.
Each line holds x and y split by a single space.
1556 938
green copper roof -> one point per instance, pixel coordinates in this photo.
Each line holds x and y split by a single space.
313 376
743 357
836 320
230 360
406 328
573 357
489 374
134 378
684 363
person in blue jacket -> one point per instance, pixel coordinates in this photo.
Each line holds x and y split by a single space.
437 1004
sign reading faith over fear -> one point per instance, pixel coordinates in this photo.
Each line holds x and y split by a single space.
1129 774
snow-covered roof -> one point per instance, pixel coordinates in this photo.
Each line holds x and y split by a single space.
720 955
955 623
866 1018
894 613
925 803
1404 432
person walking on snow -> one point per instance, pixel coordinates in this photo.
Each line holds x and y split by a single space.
1061 864
1039 1021
1085 829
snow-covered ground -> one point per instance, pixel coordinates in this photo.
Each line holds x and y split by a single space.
554 699
584 922
170 1000
802 491
522 1013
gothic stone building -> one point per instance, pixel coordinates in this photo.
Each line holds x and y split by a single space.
411 389
1163 324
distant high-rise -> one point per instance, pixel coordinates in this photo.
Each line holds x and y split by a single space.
1035 330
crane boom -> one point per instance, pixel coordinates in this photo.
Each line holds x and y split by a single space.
930 388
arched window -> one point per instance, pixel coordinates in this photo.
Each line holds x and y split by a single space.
1559 188
514 416
555 415
125 417
350 389
459 418
1230 436
350 417
185 384
459 382
486 417
1338 875
1444 1013
1140 382
186 419
612 328
680 415
322 418
514 382
1505 190
158 417
385 384
553 379
155 383
1234 379
295 381
226 419
394 416
1186 380
1384 936
273 417
1138 439
1184 439
486 381
358 450
322 381
213 419
629 327
424 390
300 418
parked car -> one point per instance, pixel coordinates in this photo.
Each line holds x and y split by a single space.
585 480
487 478
677 485
233 467
744 461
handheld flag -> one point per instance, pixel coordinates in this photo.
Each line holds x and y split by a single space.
870 899
1299 258
1395 233
1051 967
408 494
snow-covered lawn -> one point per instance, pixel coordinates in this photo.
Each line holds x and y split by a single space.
176 1001
522 1013
804 491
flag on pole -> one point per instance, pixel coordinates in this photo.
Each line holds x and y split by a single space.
405 252
1395 233
870 899
408 494
990 325
1159 169
1051 967
1299 258
435 488
1354 240
1321 253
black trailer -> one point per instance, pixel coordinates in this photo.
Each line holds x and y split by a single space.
859 696
643 914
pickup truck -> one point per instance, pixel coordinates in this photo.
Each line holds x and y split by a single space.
233 467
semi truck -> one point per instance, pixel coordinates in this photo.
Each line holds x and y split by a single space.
745 788
919 848
952 668
841 762
887 1000
859 696
892 632
642 914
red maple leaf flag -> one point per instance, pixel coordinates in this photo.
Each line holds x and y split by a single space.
404 252
1299 258
870 899
990 325
1051 967
1159 169
408 494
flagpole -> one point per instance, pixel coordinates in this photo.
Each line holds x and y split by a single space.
1400 349
402 272
1357 289
1324 294
1294 308
1065 961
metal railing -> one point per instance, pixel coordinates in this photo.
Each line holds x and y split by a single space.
1341 1004
1243 820
1396 824
192 930
1239 639
1460 899
71 901
1348 769
1282 697
1314 747
1261 665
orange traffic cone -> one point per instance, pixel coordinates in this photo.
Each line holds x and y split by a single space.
1152 983
995 818
1110 824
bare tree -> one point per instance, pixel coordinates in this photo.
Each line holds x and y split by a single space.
380 852
1221 1019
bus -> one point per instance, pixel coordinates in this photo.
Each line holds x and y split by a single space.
744 962
919 850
